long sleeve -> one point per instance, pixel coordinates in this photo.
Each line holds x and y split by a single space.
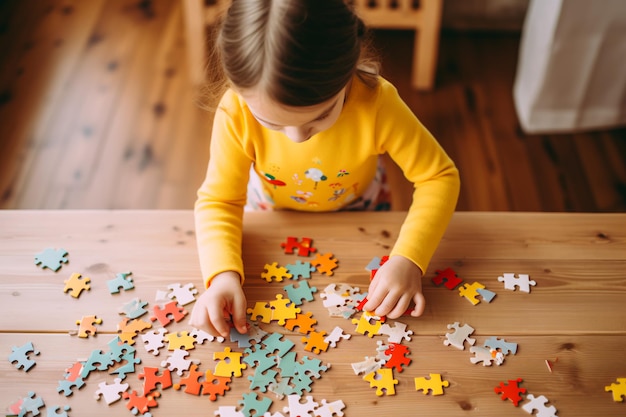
222 196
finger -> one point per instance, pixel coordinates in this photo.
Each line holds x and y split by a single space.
200 320
374 298
217 319
239 315
420 304
400 307
387 304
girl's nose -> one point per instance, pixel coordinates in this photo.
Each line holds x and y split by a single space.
297 134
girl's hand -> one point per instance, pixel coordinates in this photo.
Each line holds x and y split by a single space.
222 302
397 282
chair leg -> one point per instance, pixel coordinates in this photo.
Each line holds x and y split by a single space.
426 46
193 14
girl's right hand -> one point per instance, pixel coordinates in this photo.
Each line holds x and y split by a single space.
223 302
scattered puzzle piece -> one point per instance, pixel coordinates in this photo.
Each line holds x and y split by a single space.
383 380
511 391
180 340
398 357
283 309
522 282
325 263
460 336
54 411
121 280
397 333
274 272
191 381
315 342
539 404
86 326
469 291
304 247
433 383
111 392
214 385
170 311
151 378
75 284
299 294
21 355
141 403
229 363
486 356
447 277
619 389
486 294
304 322
51 258
368 324
30 404
177 362
183 294
505 347
253 402
134 309
335 336
128 329
301 269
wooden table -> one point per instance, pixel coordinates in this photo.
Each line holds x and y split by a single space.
574 317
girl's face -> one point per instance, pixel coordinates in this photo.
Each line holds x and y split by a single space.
298 123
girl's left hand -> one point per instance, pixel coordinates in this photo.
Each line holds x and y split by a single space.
397 282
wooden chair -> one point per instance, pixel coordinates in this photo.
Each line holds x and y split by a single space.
423 16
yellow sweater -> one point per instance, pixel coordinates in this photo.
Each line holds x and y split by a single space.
325 173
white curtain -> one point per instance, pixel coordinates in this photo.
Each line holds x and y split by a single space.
571 72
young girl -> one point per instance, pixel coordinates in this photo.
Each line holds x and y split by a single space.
302 127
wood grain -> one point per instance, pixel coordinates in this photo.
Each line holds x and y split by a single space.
575 312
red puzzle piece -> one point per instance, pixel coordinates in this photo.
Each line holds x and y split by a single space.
449 276
304 247
511 391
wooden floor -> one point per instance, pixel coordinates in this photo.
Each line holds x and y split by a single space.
96 111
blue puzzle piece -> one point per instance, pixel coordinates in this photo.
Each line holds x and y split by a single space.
301 270
262 380
121 280
20 355
486 294
51 258
299 294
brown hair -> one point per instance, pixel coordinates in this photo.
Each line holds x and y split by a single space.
299 52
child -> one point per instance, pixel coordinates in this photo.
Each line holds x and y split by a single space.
306 119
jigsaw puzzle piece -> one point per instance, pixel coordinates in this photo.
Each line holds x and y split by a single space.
619 389
51 258
447 277
511 391
460 336
523 282
539 404
121 280
111 392
432 383
383 380
75 284
21 356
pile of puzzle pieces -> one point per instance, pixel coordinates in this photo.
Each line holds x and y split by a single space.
277 368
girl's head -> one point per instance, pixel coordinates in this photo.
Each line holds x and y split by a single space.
298 53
